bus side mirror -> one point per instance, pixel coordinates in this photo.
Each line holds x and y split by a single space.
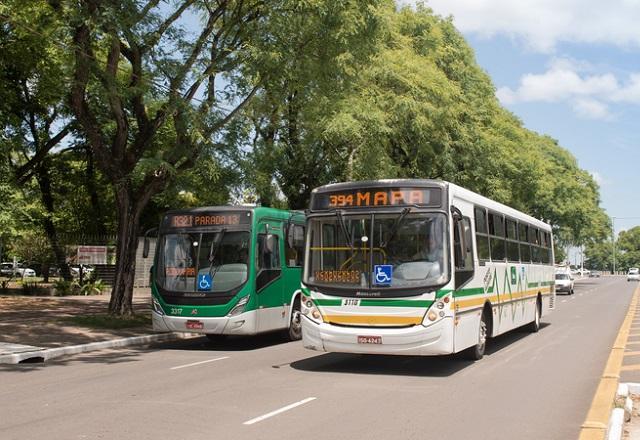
145 246
290 234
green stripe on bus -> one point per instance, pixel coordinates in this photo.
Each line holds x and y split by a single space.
377 303
530 285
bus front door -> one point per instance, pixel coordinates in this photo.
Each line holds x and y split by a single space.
269 279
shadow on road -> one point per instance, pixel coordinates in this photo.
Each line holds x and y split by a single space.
421 366
230 343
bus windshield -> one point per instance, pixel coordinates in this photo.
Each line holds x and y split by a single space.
203 261
377 251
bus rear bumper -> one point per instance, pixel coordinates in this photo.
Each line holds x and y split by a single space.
435 339
242 324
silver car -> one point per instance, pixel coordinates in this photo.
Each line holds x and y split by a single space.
633 274
564 282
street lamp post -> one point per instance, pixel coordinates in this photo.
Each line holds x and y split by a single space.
613 242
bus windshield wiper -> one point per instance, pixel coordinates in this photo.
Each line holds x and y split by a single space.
395 226
213 251
345 231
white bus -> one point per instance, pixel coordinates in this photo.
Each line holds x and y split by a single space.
420 267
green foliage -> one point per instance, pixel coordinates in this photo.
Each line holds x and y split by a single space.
418 106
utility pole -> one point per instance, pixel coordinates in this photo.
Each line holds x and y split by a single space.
613 242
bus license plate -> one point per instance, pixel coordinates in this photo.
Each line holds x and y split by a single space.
369 339
194 325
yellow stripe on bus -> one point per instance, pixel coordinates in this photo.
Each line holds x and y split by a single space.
494 299
372 319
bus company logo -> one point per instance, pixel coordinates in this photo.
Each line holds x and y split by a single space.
194 312
370 294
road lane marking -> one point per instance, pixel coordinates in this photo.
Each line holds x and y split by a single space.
635 367
595 425
199 363
632 353
564 300
278 411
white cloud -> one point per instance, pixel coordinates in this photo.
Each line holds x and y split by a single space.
591 109
600 180
571 81
542 24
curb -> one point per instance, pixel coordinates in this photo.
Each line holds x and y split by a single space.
619 416
50 353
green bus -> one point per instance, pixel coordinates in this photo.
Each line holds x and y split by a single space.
228 271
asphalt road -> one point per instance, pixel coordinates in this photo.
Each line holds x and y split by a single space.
529 386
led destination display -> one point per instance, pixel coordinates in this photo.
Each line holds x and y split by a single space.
207 219
369 197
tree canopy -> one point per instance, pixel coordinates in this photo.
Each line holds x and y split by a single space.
113 112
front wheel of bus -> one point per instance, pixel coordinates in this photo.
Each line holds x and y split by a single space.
295 325
476 352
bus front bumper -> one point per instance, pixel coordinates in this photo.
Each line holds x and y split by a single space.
242 324
435 339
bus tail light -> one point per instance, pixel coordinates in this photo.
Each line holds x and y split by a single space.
309 309
239 308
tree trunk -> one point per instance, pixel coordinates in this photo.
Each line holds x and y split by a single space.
44 181
128 212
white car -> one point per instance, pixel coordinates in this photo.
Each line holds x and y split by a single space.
633 274
564 282
25 272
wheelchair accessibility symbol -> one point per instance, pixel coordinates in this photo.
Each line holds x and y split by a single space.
382 274
204 282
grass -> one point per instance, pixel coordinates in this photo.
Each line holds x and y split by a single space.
105 321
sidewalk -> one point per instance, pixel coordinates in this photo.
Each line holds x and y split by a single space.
39 322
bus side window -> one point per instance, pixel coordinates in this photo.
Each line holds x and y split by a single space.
463 251
498 243
482 237
525 248
268 264
294 246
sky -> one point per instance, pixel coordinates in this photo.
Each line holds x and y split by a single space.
569 69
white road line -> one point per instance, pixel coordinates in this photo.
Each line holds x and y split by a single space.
278 411
564 300
199 363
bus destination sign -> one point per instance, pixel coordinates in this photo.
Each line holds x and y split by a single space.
369 197
207 219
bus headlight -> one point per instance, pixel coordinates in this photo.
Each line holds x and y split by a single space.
156 306
239 308
309 309
441 308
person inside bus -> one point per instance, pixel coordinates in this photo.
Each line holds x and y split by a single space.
431 252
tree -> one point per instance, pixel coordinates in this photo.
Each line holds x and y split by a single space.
32 92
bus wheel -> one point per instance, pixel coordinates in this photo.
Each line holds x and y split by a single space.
295 325
216 339
476 352
534 325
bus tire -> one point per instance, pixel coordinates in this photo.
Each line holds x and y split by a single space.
534 326
216 339
476 352
295 322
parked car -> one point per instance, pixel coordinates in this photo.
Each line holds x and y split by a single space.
7 270
564 282
633 274
87 271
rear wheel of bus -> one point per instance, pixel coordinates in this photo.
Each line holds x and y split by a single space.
534 326
476 352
